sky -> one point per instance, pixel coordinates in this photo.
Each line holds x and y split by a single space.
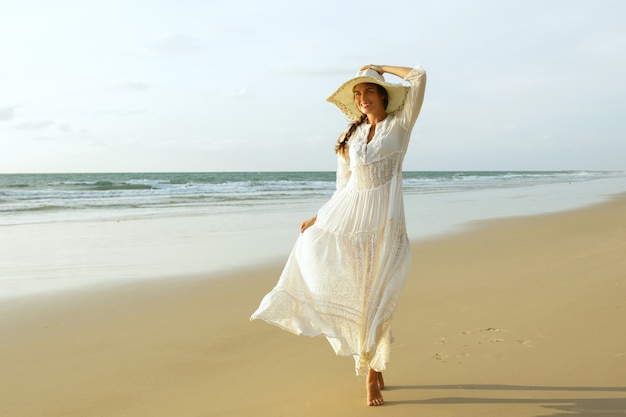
241 85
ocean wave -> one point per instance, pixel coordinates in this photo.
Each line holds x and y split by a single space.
69 194
34 208
107 186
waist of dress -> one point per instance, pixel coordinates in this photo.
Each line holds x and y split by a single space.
375 174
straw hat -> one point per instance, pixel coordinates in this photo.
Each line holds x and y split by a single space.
343 97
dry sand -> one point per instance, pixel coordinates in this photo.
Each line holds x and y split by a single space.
514 317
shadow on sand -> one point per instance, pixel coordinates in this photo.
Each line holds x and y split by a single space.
574 405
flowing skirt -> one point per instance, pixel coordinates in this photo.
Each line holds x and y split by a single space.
345 275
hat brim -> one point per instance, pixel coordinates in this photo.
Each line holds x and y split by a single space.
343 97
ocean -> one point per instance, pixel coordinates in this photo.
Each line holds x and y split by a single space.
60 232
41 198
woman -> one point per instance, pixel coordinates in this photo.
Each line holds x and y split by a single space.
347 269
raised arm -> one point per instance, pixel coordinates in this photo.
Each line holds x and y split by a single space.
401 72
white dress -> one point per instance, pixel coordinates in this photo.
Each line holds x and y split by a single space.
345 273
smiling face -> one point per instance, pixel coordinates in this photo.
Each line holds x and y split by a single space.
370 99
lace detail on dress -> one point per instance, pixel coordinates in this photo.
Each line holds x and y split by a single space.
375 174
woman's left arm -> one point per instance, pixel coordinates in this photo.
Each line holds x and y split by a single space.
401 72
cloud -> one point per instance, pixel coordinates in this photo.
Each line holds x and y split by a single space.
121 113
315 72
7 113
43 138
239 94
35 125
131 86
607 46
178 45
44 124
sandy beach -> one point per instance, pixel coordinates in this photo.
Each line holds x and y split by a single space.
510 317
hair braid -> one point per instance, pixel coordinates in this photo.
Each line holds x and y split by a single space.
341 147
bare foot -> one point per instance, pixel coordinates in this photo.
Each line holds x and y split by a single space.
373 386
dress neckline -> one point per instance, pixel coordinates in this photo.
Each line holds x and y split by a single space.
376 133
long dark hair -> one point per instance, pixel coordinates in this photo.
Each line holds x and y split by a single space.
342 145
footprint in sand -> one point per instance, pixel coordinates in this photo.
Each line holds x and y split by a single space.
442 341
460 356
488 329
526 343
481 336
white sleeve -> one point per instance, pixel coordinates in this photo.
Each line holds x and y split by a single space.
343 172
414 99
